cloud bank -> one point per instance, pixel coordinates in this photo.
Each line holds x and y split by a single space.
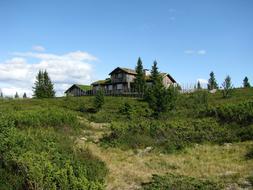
18 73
195 52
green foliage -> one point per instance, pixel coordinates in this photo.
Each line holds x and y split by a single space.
199 86
99 100
179 182
250 179
139 81
127 110
170 136
155 75
249 155
212 84
193 103
54 117
246 83
240 113
40 158
159 98
227 87
44 87
24 95
16 95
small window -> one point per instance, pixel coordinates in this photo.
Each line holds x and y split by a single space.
119 86
110 87
119 75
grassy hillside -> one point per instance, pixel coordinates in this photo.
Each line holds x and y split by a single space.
205 143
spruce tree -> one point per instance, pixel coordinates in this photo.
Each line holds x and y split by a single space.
24 96
199 86
140 82
1 94
227 87
212 84
155 75
43 86
246 83
48 86
99 100
159 98
16 95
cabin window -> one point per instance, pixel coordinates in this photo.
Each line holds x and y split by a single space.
119 75
119 86
110 87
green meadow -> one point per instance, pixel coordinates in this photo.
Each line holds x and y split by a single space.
206 142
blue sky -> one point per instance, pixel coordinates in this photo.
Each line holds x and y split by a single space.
188 38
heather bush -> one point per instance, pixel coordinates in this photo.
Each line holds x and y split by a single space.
41 158
180 182
240 113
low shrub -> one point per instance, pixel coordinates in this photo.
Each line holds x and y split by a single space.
179 182
40 158
44 117
241 113
249 155
168 136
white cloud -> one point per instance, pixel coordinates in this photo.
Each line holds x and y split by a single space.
38 48
202 81
18 73
195 52
201 52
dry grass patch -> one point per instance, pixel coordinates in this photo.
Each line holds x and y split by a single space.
127 170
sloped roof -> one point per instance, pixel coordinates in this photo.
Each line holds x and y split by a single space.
126 70
101 82
148 77
81 86
171 78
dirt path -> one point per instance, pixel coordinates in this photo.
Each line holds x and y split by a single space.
128 169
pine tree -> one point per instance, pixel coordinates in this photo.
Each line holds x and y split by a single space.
1 94
39 83
246 83
140 83
48 86
99 100
158 97
24 96
16 95
43 86
199 86
227 87
212 84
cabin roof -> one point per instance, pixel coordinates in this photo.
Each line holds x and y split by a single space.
80 86
101 82
126 70
148 77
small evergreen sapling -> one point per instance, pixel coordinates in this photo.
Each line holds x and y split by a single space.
246 83
199 86
140 83
159 98
99 100
212 84
227 87
16 95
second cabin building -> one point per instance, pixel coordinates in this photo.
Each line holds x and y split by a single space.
121 81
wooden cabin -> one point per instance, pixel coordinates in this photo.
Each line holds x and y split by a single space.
78 90
122 81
